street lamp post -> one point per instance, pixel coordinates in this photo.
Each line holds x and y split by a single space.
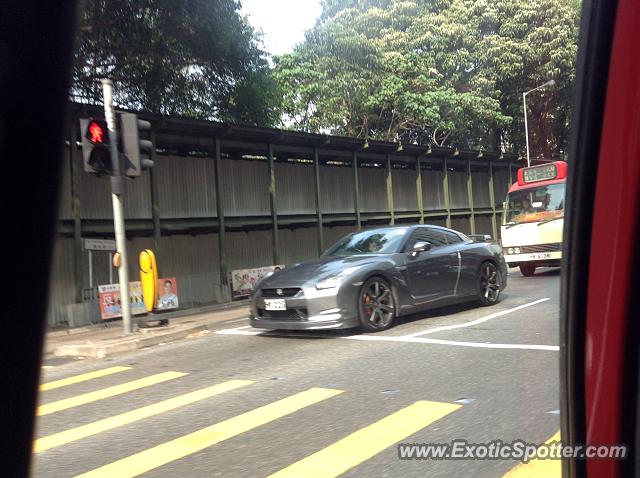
524 102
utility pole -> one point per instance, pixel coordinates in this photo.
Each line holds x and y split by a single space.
117 195
526 127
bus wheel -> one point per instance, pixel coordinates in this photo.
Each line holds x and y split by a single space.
527 270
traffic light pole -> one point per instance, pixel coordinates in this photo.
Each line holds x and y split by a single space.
117 194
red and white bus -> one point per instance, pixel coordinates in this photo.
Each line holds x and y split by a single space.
533 217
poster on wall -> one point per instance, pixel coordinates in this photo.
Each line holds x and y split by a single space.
243 281
168 292
110 303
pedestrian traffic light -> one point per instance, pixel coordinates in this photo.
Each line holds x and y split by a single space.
95 146
133 147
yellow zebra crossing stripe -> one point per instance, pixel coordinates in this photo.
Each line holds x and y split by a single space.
82 378
538 468
152 458
106 392
367 442
84 431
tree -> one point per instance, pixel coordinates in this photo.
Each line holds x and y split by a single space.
184 57
449 72
255 100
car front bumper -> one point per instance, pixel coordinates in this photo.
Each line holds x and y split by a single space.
310 309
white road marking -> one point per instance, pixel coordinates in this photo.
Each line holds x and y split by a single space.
420 340
237 320
240 331
416 338
477 321
405 339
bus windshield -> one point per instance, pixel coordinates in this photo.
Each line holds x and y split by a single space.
539 204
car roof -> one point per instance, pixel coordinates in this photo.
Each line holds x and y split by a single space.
414 226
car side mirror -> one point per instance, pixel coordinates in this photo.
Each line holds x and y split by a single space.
420 246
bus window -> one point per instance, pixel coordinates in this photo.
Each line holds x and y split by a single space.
535 204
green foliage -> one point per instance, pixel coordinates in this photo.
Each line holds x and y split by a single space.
449 72
195 58
255 100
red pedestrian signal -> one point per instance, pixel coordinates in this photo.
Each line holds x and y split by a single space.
95 146
97 131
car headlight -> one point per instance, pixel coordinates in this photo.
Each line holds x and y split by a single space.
337 280
330 283
510 250
516 250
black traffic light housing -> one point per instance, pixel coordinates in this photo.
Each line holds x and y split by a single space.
134 148
95 146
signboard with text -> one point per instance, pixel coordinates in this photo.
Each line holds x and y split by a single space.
99 244
110 305
243 281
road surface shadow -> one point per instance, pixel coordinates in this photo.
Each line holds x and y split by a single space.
405 319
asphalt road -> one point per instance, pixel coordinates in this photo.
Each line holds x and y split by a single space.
308 405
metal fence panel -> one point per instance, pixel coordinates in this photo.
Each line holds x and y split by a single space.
461 224
373 189
298 244
405 197
436 221
64 208
95 197
137 202
459 198
62 284
432 190
334 234
186 186
336 188
193 261
245 250
501 184
480 184
245 187
483 225
295 188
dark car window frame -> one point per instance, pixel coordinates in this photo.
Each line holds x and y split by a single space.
430 230
450 235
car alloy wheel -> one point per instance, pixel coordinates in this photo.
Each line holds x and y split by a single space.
490 283
376 305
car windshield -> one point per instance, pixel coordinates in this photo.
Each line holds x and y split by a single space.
535 204
375 241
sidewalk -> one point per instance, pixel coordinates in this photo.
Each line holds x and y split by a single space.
104 341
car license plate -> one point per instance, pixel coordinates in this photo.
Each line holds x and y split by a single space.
541 255
275 304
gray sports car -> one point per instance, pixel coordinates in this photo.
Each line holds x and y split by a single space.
369 278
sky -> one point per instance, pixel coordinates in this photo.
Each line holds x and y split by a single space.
282 21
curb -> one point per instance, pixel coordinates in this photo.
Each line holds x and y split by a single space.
128 344
169 315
